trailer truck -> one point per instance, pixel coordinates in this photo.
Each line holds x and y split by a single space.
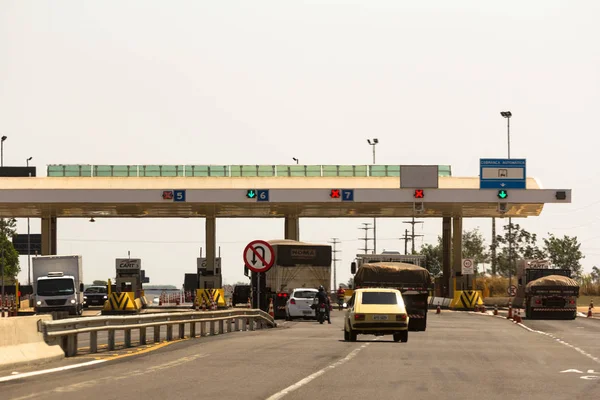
545 292
402 272
58 283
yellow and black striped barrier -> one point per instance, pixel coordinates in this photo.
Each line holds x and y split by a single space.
466 300
208 295
121 303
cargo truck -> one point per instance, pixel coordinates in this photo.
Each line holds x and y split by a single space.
58 284
402 272
545 292
297 265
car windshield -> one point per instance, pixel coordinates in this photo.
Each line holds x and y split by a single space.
304 294
379 298
96 289
55 287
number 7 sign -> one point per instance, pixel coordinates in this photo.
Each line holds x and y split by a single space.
347 194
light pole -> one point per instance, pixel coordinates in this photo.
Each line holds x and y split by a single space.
28 241
295 159
374 143
507 115
2 151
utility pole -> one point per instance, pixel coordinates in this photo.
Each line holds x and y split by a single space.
406 238
334 251
373 144
412 235
366 227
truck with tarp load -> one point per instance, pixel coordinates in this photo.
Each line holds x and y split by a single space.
545 292
400 272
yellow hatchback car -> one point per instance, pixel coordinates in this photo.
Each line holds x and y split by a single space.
376 311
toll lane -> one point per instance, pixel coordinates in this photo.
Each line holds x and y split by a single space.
460 356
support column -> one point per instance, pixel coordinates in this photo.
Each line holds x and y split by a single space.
292 228
211 244
48 236
447 256
457 252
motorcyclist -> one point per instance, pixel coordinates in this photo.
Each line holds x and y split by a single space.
340 296
323 298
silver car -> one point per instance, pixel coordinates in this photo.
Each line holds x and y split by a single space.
299 304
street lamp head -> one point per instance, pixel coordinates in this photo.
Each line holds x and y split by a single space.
92 219
4 138
29 159
506 114
375 141
295 159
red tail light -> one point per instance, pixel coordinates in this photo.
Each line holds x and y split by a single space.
293 301
572 302
538 302
359 317
401 317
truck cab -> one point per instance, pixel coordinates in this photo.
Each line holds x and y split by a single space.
58 292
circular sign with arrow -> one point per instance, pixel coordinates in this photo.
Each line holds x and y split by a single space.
259 256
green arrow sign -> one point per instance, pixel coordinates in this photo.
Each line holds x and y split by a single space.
251 194
502 194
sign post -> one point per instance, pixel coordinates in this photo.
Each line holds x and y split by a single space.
259 257
467 268
512 290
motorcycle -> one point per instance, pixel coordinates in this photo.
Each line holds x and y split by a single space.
340 303
320 311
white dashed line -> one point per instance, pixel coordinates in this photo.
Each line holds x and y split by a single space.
320 372
577 349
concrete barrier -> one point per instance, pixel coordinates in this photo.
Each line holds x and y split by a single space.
22 344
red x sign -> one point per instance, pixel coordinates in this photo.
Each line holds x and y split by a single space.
335 193
419 194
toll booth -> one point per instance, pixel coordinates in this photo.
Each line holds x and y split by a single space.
129 276
209 278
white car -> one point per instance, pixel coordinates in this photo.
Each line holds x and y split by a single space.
299 304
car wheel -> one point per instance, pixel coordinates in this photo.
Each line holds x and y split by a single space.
346 335
352 335
403 336
397 337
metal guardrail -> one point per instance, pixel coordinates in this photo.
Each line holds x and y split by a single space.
65 331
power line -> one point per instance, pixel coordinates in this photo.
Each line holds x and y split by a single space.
412 235
366 227
334 251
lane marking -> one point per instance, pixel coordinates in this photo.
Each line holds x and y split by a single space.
48 371
320 372
110 380
559 340
99 358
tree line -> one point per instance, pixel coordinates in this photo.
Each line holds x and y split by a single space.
563 252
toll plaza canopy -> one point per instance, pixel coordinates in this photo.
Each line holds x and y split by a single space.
259 191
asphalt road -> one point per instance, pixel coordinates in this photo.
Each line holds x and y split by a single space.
460 356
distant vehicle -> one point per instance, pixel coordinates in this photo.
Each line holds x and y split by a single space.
241 294
545 292
299 304
376 311
95 296
57 284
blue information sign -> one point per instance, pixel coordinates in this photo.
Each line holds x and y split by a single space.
501 173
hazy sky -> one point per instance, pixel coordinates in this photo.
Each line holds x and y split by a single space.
260 82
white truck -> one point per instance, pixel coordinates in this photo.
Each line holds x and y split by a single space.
58 284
